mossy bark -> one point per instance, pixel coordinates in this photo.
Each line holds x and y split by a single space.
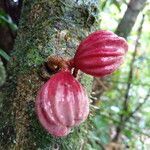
46 27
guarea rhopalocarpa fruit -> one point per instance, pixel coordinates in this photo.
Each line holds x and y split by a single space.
61 104
100 54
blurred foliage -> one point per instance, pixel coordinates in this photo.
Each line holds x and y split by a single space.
106 116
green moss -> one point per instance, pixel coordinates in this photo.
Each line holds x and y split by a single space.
7 124
34 57
39 35
87 82
38 39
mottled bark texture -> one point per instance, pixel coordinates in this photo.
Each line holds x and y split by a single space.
130 16
46 27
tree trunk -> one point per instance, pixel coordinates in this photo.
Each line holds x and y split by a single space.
127 22
46 27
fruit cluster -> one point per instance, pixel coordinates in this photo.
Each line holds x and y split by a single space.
62 102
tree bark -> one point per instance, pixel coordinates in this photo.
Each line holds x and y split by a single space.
47 27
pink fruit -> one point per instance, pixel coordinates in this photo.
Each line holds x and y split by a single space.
99 54
61 104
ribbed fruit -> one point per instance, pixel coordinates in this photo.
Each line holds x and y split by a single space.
101 53
61 104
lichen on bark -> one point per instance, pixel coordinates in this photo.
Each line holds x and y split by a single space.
46 27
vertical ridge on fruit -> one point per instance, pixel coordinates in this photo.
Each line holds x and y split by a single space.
100 54
61 104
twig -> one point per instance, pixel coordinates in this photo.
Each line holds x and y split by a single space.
100 144
130 76
138 107
132 65
97 142
123 82
126 126
101 83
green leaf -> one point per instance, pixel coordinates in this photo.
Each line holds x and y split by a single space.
4 55
128 133
103 4
6 19
116 3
